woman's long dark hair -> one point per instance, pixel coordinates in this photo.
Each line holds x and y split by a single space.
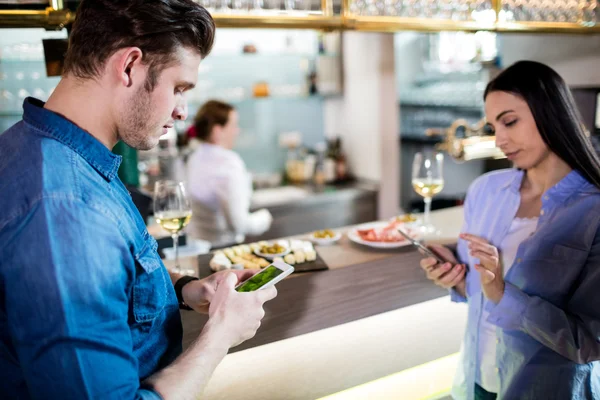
554 111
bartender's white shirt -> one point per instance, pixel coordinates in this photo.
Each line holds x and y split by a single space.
220 189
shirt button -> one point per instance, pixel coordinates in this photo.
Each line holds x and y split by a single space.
546 197
497 341
542 212
497 370
519 260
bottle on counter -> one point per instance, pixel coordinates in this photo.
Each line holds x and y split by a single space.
319 177
336 153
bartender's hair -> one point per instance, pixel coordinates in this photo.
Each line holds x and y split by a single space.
212 113
554 111
158 27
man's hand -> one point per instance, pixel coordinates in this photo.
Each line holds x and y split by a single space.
199 294
236 316
447 275
233 318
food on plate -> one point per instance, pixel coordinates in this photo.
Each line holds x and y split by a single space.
251 265
274 248
300 257
229 253
324 234
242 256
219 262
290 259
386 234
302 245
296 244
237 260
261 262
254 246
405 219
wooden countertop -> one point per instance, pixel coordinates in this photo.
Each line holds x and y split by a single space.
346 253
361 282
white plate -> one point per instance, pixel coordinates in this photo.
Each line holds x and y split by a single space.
355 237
325 241
272 256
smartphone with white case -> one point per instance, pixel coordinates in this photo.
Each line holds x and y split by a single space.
265 278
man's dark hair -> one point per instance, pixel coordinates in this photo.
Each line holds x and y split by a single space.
157 27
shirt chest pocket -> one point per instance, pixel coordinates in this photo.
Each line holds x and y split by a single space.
150 287
557 254
552 269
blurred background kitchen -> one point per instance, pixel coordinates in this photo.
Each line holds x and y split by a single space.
330 120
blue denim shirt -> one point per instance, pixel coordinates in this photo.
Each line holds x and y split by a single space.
548 322
87 309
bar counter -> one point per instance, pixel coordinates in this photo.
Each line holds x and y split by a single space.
361 282
372 314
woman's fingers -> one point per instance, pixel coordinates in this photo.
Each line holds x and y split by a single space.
453 277
485 248
487 276
435 273
488 262
473 239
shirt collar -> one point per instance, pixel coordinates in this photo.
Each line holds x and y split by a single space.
566 187
514 184
572 183
83 143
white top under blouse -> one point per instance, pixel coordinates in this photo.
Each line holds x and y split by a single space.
520 229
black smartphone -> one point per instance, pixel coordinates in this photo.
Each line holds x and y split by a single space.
419 246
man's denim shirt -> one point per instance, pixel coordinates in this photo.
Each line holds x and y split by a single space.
87 308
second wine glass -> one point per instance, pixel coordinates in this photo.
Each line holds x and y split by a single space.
427 181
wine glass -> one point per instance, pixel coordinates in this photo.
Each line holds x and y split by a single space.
172 212
427 181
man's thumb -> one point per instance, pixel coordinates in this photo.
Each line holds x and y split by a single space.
229 282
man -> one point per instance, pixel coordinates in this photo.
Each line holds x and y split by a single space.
87 309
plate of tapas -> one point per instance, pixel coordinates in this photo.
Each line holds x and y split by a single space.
325 237
382 235
299 253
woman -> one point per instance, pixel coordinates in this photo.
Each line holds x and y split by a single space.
528 261
218 182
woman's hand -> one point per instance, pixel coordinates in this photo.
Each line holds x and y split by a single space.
448 275
490 268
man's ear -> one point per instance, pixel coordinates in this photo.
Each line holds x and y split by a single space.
126 65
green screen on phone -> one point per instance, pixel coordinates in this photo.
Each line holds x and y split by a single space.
261 279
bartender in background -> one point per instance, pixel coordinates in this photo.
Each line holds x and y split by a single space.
220 187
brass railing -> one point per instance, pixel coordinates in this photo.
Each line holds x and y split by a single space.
473 144
385 16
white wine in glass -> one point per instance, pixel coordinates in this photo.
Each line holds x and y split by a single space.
173 212
428 181
425 188
173 221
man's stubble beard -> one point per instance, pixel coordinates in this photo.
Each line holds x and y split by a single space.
137 129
